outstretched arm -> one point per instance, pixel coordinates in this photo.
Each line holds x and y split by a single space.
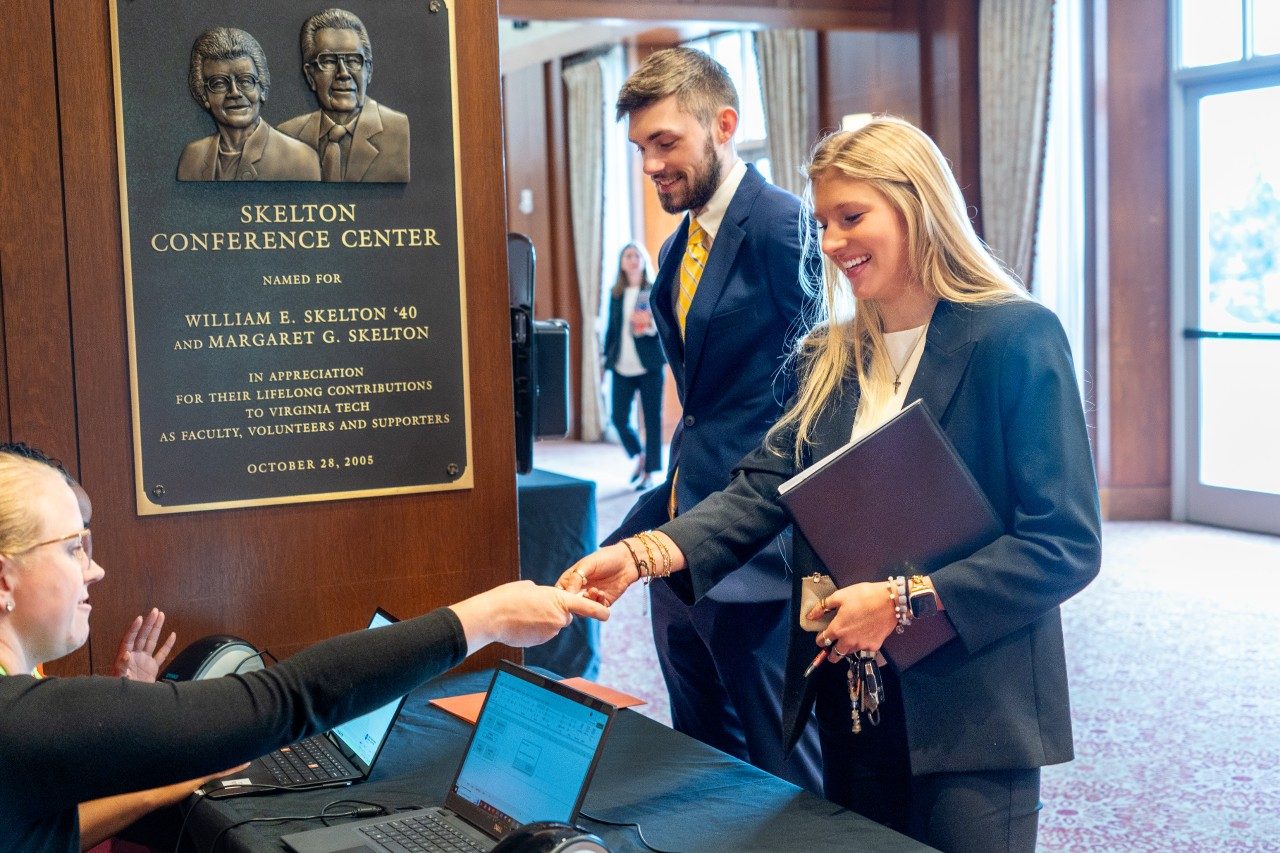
606 574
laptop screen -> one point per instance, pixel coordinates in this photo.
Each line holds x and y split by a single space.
531 753
364 735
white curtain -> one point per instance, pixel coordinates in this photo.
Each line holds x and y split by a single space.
783 59
1014 52
585 106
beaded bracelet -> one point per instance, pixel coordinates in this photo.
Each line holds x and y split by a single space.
898 595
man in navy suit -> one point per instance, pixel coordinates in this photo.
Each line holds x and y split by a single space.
727 303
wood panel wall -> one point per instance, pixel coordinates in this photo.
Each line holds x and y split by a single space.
809 14
1133 384
282 577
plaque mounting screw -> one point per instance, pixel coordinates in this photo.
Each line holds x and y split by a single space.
453 469
435 6
158 491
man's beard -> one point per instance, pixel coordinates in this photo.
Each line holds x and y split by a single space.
702 185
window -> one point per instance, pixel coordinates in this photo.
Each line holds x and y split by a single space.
1226 180
736 52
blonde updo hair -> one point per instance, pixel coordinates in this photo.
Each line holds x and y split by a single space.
20 478
944 253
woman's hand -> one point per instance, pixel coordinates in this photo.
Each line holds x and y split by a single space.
138 658
864 617
603 576
521 614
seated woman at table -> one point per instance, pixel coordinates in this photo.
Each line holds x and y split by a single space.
916 307
68 740
139 657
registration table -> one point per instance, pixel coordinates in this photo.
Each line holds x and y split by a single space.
684 796
557 528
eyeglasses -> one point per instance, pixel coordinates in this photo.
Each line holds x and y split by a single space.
84 550
220 84
349 61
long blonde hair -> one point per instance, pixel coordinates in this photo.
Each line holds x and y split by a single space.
945 255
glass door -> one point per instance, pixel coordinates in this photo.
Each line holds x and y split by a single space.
1231 340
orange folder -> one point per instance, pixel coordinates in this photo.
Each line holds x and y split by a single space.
467 706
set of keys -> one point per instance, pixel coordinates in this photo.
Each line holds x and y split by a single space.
866 690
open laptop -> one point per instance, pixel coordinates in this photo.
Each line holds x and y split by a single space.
340 756
530 758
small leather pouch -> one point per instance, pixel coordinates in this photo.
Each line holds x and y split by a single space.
814 588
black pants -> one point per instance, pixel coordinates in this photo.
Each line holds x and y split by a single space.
869 773
649 384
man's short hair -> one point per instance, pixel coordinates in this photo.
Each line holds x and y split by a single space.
332 19
701 85
226 44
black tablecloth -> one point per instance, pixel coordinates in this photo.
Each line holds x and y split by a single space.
558 528
684 795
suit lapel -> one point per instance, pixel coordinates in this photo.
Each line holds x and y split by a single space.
942 364
209 162
716 275
310 132
835 424
662 300
363 148
255 146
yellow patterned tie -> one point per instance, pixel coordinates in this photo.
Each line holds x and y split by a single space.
695 259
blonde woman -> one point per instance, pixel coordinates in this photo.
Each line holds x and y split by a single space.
916 307
633 353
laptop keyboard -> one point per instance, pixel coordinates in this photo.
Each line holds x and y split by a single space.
421 834
305 761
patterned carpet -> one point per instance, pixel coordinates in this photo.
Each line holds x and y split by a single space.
1174 655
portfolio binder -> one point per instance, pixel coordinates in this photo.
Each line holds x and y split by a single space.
898 501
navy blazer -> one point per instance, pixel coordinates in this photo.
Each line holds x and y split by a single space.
728 368
999 379
648 347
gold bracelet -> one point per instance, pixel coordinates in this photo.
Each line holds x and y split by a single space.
642 568
662 549
648 552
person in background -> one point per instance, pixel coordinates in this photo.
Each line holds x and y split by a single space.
634 354
66 741
917 308
727 302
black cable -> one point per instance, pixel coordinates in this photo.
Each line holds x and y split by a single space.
266 652
639 831
369 810
200 795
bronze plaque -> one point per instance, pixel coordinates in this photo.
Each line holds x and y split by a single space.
293 250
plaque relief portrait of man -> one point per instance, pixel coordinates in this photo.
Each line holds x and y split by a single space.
230 79
355 137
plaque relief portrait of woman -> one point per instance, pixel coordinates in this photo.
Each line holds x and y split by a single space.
230 79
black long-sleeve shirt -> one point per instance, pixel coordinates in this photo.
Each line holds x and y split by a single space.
67 740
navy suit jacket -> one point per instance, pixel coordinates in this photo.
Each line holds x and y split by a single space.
648 347
1000 382
728 369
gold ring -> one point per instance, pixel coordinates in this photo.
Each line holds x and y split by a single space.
580 573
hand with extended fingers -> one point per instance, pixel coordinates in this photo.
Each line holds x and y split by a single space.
138 658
